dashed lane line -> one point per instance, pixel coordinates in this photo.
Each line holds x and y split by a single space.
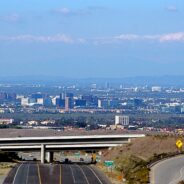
27 174
95 175
83 174
72 174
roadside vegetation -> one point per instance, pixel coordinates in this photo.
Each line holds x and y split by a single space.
7 162
106 118
8 157
5 168
181 182
133 161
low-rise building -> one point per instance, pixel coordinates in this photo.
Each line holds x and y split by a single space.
6 121
47 122
32 122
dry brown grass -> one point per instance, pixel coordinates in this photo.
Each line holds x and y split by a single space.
5 168
145 148
132 159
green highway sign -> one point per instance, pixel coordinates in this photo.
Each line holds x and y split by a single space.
77 154
109 163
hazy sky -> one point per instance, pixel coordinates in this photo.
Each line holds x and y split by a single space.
91 38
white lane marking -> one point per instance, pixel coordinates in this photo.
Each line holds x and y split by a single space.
83 173
72 174
179 178
154 167
27 174
95 174
152 176
16 173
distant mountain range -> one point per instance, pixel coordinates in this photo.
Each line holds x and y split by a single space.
126 81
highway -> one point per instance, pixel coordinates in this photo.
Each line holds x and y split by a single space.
35 173
169 171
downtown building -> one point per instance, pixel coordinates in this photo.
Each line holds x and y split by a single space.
122 120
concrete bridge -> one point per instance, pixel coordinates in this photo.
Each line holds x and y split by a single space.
57 143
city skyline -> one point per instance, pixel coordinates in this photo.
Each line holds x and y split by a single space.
91 39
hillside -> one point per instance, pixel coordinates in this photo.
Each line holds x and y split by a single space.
146 147
133 160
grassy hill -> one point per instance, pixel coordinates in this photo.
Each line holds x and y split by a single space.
132 160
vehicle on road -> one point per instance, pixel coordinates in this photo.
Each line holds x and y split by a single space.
67 161
81 159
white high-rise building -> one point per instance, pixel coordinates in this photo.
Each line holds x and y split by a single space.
93 86
122 120
24 101
40 101
156 89
99 103
54 100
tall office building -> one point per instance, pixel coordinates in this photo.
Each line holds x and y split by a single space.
62 96
24 101
103 103
67 99
37 95
80 103
11 96
40 101
60 102
70 95
122 120
156 89
70 100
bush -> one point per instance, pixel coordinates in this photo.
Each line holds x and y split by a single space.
181 182
134 169
8 157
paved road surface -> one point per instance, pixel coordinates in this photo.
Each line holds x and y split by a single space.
33 173
169 171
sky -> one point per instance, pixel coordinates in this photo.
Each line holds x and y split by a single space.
85 38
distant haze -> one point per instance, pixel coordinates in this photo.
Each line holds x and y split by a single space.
91 39
175 81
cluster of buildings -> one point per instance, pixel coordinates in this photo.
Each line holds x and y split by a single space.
64 100
6 121
153 99
121 122
44 123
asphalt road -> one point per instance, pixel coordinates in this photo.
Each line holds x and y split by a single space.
169 171
34 173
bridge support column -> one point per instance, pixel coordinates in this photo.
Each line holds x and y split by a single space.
42 153
49 156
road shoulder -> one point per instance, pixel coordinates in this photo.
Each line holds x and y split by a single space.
157 164
5 168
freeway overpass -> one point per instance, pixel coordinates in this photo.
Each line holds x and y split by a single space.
56 143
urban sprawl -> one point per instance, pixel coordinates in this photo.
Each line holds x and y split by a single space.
148 108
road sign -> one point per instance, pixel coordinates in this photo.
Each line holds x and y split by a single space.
109 163
94 156
77 154
179 143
